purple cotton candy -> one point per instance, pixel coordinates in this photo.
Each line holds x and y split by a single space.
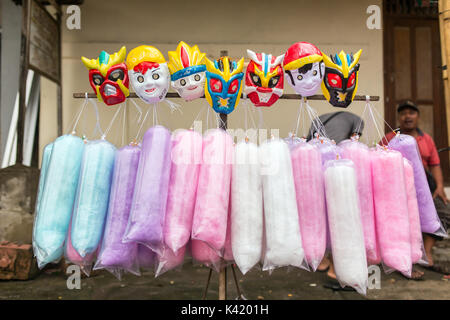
115 255
146 257
328 148
146 221
429 219
328 151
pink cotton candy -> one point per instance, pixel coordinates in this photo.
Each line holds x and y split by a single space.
414 215
74 257
213 190
309 186
169 260
391 210
186 159
202 253
360 155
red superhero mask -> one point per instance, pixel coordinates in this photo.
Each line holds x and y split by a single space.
264 79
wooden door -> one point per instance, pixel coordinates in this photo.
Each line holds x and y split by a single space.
413 70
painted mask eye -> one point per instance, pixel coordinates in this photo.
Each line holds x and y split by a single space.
351 80
197 77
315 73
256 80
273 81
155 76
116 75
233 86
97 79
216 85
300 77
334 80
183 82
140 79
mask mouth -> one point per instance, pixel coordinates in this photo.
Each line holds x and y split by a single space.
109 90
311 87
150 90
192 88
223 102
264 97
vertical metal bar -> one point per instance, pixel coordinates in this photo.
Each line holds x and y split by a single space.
23 79
223 270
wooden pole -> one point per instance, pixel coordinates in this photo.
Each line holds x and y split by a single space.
444 26
223 270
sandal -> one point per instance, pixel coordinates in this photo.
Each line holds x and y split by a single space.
432 268
419 277
324 270
335 286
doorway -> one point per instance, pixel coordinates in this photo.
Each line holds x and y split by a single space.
413 67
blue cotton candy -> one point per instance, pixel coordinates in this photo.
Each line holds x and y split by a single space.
44 167
91 203
57 189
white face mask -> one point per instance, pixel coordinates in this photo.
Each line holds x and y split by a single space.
306 84
152 86
190 87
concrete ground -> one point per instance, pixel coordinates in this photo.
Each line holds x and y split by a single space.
189 283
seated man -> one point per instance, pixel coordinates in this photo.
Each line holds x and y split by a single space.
408 117
338 126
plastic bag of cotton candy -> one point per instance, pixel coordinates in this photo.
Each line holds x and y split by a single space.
309 186
391 210
429 218
283 242
57 190
344 219
246 207
360 154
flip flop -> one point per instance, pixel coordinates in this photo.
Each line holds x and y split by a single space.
420 278
324 270
335 286
432 268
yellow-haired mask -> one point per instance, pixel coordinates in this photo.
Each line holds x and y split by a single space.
341 78
223 84
149 74
108 76
186 65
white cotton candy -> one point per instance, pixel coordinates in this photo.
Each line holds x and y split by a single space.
282 228
346 231
246 209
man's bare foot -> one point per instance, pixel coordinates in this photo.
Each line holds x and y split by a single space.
416 275
324 265
331 274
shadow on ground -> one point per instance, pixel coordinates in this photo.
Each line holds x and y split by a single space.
189 283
